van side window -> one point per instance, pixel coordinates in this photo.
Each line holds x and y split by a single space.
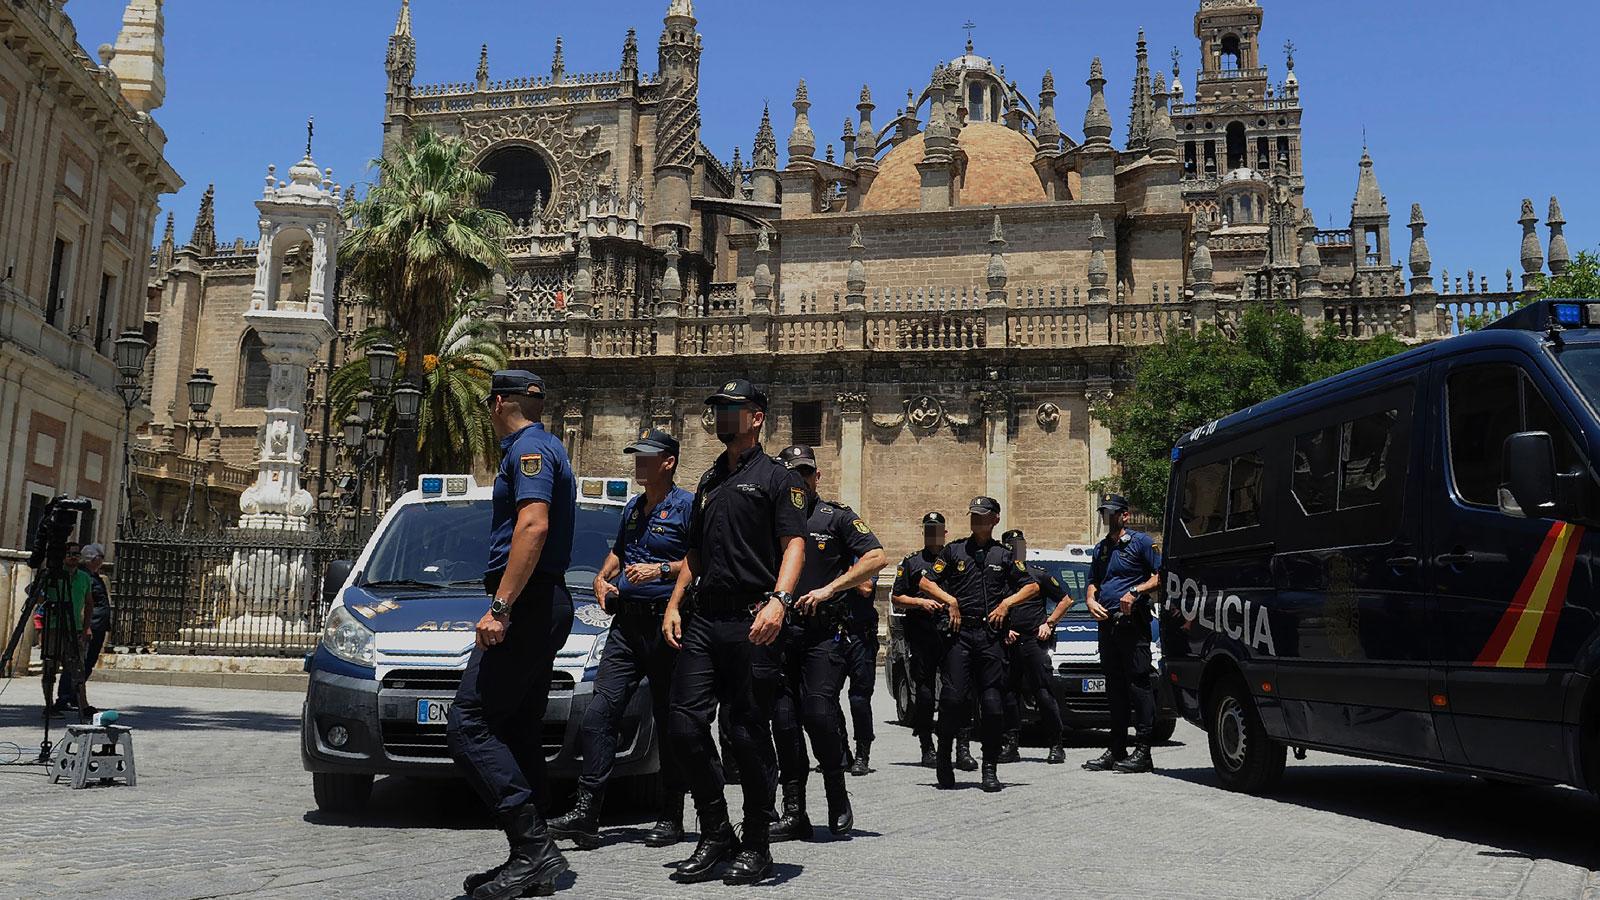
1364 459
1538 416
1224 495
1244 491
1485 408
1316 470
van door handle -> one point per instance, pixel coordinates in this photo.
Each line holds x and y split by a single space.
1457 559
1403 562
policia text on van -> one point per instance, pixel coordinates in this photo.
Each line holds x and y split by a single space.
1398 562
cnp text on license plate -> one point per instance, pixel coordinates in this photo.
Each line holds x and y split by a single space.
1094 685
434 712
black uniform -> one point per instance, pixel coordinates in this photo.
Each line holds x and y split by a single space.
926 637
979 576
1028 659
816 646
861 653
736 525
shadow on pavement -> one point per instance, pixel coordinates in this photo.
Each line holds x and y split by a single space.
163 718
1521 821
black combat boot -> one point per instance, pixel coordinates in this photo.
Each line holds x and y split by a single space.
946 772
964 760
840 817
535 863
473 882
717 844
754 861
668 829
1105 761
794 824
1137 761
930 758
863 753
1009 752
991 776
1058 754
581 824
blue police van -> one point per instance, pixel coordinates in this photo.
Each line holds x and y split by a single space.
1397 563
401 624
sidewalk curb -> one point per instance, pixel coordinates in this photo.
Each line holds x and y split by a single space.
239 681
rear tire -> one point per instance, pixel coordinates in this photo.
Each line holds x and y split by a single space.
1244 757
341 793
902 701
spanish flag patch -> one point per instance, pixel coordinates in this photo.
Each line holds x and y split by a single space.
532 464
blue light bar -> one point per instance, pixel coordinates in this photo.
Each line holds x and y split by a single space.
617 488
432 485
1570 314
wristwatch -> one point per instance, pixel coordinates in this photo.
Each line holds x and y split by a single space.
499 608
784 597
666 571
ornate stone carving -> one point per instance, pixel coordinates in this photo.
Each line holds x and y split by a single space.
1048 416
572 409
924 412
577 153
1098 398
678 121
852 403
708 419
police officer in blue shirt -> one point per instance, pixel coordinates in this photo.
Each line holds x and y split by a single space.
634 584
1126 568
493 723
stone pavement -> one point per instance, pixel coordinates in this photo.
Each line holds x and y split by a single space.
223 809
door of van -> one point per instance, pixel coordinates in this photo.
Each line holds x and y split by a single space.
1501 580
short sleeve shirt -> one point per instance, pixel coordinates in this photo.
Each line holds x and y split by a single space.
978 575
835 538
1030 615
1119 566
534 467
655 536
738 520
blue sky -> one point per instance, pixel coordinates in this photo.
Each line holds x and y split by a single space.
1468 105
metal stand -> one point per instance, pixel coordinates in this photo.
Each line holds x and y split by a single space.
55 648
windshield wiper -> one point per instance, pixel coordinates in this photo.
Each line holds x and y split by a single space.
403 582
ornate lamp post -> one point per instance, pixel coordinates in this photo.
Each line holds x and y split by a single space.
407 399
131 350
381 360
201 389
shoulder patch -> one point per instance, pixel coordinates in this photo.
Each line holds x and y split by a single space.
797 497
861 526
1055 581
532 464
1019 565
938 567
900 572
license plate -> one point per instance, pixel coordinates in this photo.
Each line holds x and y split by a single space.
1094 685
433 712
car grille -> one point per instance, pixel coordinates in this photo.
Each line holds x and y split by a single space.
1074 703
428 741
447 681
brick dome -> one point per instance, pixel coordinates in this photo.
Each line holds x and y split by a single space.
999 170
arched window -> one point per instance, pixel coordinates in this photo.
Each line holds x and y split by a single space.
255 373
1236 146
521 178
1231 54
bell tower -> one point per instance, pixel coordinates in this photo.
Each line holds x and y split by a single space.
1230 50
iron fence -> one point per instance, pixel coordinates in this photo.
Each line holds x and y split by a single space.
227 592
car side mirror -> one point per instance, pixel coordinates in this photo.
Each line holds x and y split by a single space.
334 577
1528 461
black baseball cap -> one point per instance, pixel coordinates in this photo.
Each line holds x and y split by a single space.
798 457
516 381
653 442
987 506
934 518
739 390
1114 503
1014 534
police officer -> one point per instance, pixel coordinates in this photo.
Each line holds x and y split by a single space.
507 682
980 582
841 553
1028 640
926 626
861 667
634 584
1125 569
746 547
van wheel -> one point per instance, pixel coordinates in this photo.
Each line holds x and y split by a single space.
902 701
1245 758
341 793
1163 731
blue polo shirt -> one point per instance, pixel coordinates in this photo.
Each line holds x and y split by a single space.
661 536
1119 566
534 467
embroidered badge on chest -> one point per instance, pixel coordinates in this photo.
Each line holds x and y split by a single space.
938 567
961 565
532 464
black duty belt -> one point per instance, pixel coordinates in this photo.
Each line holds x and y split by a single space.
728 607
641 609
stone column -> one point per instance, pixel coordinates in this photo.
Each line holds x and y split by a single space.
757 339
1099 294
277 501
1097 395
997 450
855 298
671 293
852 406
577 312
996 312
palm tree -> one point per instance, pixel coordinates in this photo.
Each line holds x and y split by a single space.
419 240
453 430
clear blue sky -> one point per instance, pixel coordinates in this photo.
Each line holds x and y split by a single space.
1468 105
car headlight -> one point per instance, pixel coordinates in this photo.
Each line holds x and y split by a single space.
348 639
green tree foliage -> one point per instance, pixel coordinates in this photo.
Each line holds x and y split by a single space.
1581 280
453 427
1191 379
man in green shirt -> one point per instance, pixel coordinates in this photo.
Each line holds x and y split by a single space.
66 637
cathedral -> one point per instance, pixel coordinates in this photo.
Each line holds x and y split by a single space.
936 299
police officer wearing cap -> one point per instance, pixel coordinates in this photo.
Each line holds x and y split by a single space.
861 668
926 626
746 548
634 584
1028 640
506 685
980 582
841 553
1126 568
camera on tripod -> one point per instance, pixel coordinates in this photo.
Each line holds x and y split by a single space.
56 524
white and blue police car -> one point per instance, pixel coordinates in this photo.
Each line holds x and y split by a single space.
400 626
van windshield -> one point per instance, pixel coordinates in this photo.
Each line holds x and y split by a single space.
445 544
1074 576
1582 363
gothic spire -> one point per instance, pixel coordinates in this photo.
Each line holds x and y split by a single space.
1163 137
866 136
802 141
765 154
204 237
483 66
1369 201
1048 130
558 62
1421 259
630 52
1532 254
1560 255
680 9
401 61
1097 120
1143 109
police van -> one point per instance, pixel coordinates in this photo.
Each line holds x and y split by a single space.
402 622
1080 682
1397 563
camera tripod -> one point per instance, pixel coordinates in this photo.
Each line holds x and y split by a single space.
61 645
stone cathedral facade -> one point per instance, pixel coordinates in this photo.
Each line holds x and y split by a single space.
935 299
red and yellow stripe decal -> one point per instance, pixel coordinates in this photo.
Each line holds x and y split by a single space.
1522 639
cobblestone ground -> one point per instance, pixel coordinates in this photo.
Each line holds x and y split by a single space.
223 810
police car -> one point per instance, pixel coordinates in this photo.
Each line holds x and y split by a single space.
401 626
1399 563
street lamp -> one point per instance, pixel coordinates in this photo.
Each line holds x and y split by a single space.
380 366
407 399
131 350
354 430
201 389
364 406
375 442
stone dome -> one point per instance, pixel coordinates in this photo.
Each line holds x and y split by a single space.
999 171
